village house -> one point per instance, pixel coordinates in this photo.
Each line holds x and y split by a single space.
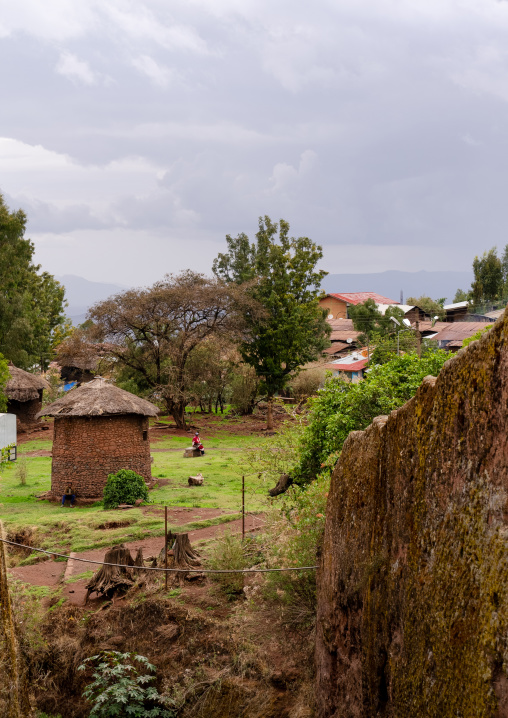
352 366
24 396
98 430
337 304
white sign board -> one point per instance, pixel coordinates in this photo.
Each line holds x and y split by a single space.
8 435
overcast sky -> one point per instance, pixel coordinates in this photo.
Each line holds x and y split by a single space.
137 134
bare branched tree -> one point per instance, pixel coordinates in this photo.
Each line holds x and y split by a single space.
155 331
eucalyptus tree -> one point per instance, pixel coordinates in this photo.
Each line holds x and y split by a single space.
279 273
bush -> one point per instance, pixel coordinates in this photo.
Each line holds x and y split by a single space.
124 487
119 690
230 553
342 407
295 533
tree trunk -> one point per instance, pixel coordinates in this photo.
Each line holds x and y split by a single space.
180 555
110 579
269 414
178 414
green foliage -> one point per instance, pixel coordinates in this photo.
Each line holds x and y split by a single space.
230 553
488 277
4 378
31 306
297 533
119 689
342 407
244 389
476 336
124 487
386 347
368 320
291 329
432 307
461 296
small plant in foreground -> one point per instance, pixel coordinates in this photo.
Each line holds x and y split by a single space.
230 553
124 487
21 471
119 690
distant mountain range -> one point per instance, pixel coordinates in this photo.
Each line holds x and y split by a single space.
81 294
391 283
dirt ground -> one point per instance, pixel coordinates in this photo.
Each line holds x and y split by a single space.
51 573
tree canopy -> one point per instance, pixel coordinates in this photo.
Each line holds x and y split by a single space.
279 273
342 407
433 307
372 324
154 332
32 303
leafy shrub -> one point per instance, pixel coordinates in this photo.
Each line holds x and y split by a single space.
342 407
229 552
21 471
124 487
477 335
295 533
118 689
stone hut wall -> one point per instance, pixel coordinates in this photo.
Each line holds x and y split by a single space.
25 411
413 578
87 449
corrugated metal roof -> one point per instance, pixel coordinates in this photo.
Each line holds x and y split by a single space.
405 307
360 297
457 305
458 331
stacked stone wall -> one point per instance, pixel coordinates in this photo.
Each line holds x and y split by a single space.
413 579
87 449
25 411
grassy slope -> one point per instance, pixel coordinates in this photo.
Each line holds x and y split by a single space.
77 529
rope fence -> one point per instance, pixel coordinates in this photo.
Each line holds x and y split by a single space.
156 568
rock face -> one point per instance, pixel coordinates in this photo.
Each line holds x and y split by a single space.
413 579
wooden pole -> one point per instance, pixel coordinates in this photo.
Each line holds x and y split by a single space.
243 508
7 629
418 336
166 546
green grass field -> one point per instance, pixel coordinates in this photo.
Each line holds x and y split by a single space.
66 529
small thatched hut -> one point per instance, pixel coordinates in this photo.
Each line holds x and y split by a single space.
24 396
99 429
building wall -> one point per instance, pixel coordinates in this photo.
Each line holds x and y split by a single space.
334 306
25 411
87 449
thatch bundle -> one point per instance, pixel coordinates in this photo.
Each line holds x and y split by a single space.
99 398
23 386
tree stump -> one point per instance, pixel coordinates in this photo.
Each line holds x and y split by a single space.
180 555
196 480
110 579
191 453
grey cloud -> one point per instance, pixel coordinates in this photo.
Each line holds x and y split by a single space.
374 123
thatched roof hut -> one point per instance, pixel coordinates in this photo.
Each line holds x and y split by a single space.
99 429
23 386
99 398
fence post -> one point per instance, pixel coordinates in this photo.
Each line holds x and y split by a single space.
166 547
243 508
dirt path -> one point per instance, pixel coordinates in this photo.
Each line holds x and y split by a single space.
50 573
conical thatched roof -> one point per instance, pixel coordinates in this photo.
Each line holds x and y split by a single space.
99 398
23 386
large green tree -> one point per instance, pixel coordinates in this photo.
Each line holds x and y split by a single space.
488 277
32 303
281 276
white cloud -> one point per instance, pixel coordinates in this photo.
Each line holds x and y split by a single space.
285 175
74 69
159 75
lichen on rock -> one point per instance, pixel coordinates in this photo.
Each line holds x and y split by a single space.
413 577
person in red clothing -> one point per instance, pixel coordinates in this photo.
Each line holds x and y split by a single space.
196 443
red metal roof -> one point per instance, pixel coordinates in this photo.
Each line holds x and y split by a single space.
360 297
354 366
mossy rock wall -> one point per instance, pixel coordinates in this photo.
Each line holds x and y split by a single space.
413 577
